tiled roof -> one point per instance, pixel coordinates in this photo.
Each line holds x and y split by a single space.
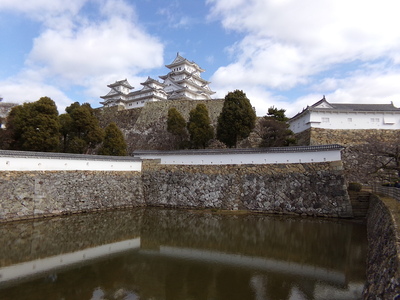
365 107
347 107
241 151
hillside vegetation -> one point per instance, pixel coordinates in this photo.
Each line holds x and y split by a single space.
145 128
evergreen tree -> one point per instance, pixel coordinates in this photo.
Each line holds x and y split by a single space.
237 119
199 127
80 129
176 125
275 130
65 131
277 114
114 142
34 126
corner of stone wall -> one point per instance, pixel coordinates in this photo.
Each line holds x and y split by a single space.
150 164
336 165
304 138
383 261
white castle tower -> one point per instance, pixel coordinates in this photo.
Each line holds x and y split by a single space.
183 82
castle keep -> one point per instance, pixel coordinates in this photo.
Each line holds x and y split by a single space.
183 82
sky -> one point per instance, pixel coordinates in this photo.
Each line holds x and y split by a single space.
281 53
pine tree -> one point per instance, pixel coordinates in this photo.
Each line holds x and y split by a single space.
237 119
274 129
114 142
277 114
199 127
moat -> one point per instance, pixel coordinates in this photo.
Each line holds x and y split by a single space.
176 254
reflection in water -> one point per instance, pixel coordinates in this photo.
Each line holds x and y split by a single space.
175 254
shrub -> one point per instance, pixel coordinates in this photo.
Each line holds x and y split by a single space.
355 186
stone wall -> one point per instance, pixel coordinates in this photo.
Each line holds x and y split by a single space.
361 153
344 137
34 194
383 263
316 189
145 128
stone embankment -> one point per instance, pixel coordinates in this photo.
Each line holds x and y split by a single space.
344 137
38 193
315 189
146 127
362 149
383 263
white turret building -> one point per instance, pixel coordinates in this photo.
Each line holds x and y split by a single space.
326 115
183 82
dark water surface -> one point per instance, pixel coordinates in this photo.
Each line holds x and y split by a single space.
174 254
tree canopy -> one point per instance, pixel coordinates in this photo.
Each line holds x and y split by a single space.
237 119
277 114
80 129
274 129
199 127
114 142
34 126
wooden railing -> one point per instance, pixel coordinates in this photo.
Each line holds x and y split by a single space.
393 192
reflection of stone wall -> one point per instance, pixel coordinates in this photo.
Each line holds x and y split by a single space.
302 244
311 189
300 240
26 241
30 194
383 263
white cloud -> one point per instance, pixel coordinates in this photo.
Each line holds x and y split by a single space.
19 90
378 86
288 41
38 6
96 49
288 44
75 49
359 27
43 10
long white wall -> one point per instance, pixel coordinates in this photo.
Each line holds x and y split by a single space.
8 163
258 158
17 161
